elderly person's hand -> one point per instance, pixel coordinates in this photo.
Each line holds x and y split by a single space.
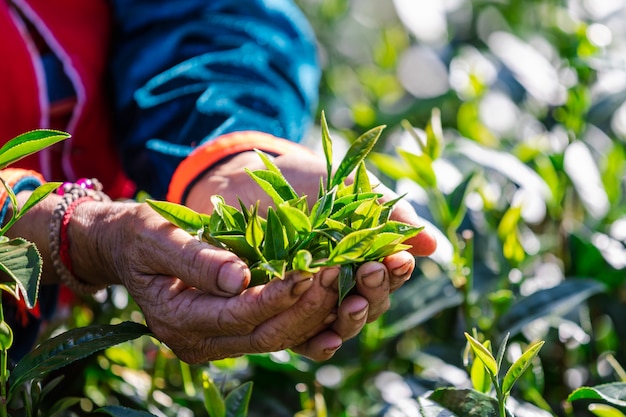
375 281
193 295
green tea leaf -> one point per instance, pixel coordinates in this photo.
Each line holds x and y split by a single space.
434 135
347 281
483 355
392 167
603 410
238 244
119 411
267 161
502 350
39 194
613 393
355 154
21 261
366 215
254 231
274 267
479 377
234 220
327 145
295 218
213 401
302 262
361 180
322 208
274 184
29 143
352 247
237 401
467 403
520 366
68 347
179 215
422 167
275 242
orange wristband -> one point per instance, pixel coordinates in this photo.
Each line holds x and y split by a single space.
209 154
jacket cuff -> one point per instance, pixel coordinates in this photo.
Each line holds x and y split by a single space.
209 154
19 180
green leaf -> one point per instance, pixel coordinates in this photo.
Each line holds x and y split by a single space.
484 355
302 262
295 218
238 244
456 200
119 411
603 410
322 208
502 351
274 267
520 366
39 194
420 300
466 403
274 185
557 300
237 401
213 400
479 377
62 405
29 143
383 243
275 242
352 247
346 281
613 393
68 347
366 215
21 260
254 230
392 167
434 135
355 154
404 229
422 167
179 215
233 219
361 180
269 164
327 145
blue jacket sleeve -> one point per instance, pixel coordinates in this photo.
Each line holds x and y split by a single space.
186 72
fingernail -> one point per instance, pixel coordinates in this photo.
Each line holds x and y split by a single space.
359 315
330 319
231 277
402 270
331 350
300 287
374 279
329 277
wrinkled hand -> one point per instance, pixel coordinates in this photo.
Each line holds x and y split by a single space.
375 281
193 297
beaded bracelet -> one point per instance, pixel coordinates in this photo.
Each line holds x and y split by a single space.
73 194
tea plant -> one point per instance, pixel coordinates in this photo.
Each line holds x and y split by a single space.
347 225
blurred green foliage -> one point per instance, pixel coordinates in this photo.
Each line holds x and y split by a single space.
522 171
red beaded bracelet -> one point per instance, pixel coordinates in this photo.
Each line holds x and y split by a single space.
73 194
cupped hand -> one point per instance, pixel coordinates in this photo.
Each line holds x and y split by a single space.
193 297
375 280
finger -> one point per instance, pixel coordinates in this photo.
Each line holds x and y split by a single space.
400 266
321 347
372 282
213 270
351 317
199 327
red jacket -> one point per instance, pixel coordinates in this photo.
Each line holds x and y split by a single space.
80 37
